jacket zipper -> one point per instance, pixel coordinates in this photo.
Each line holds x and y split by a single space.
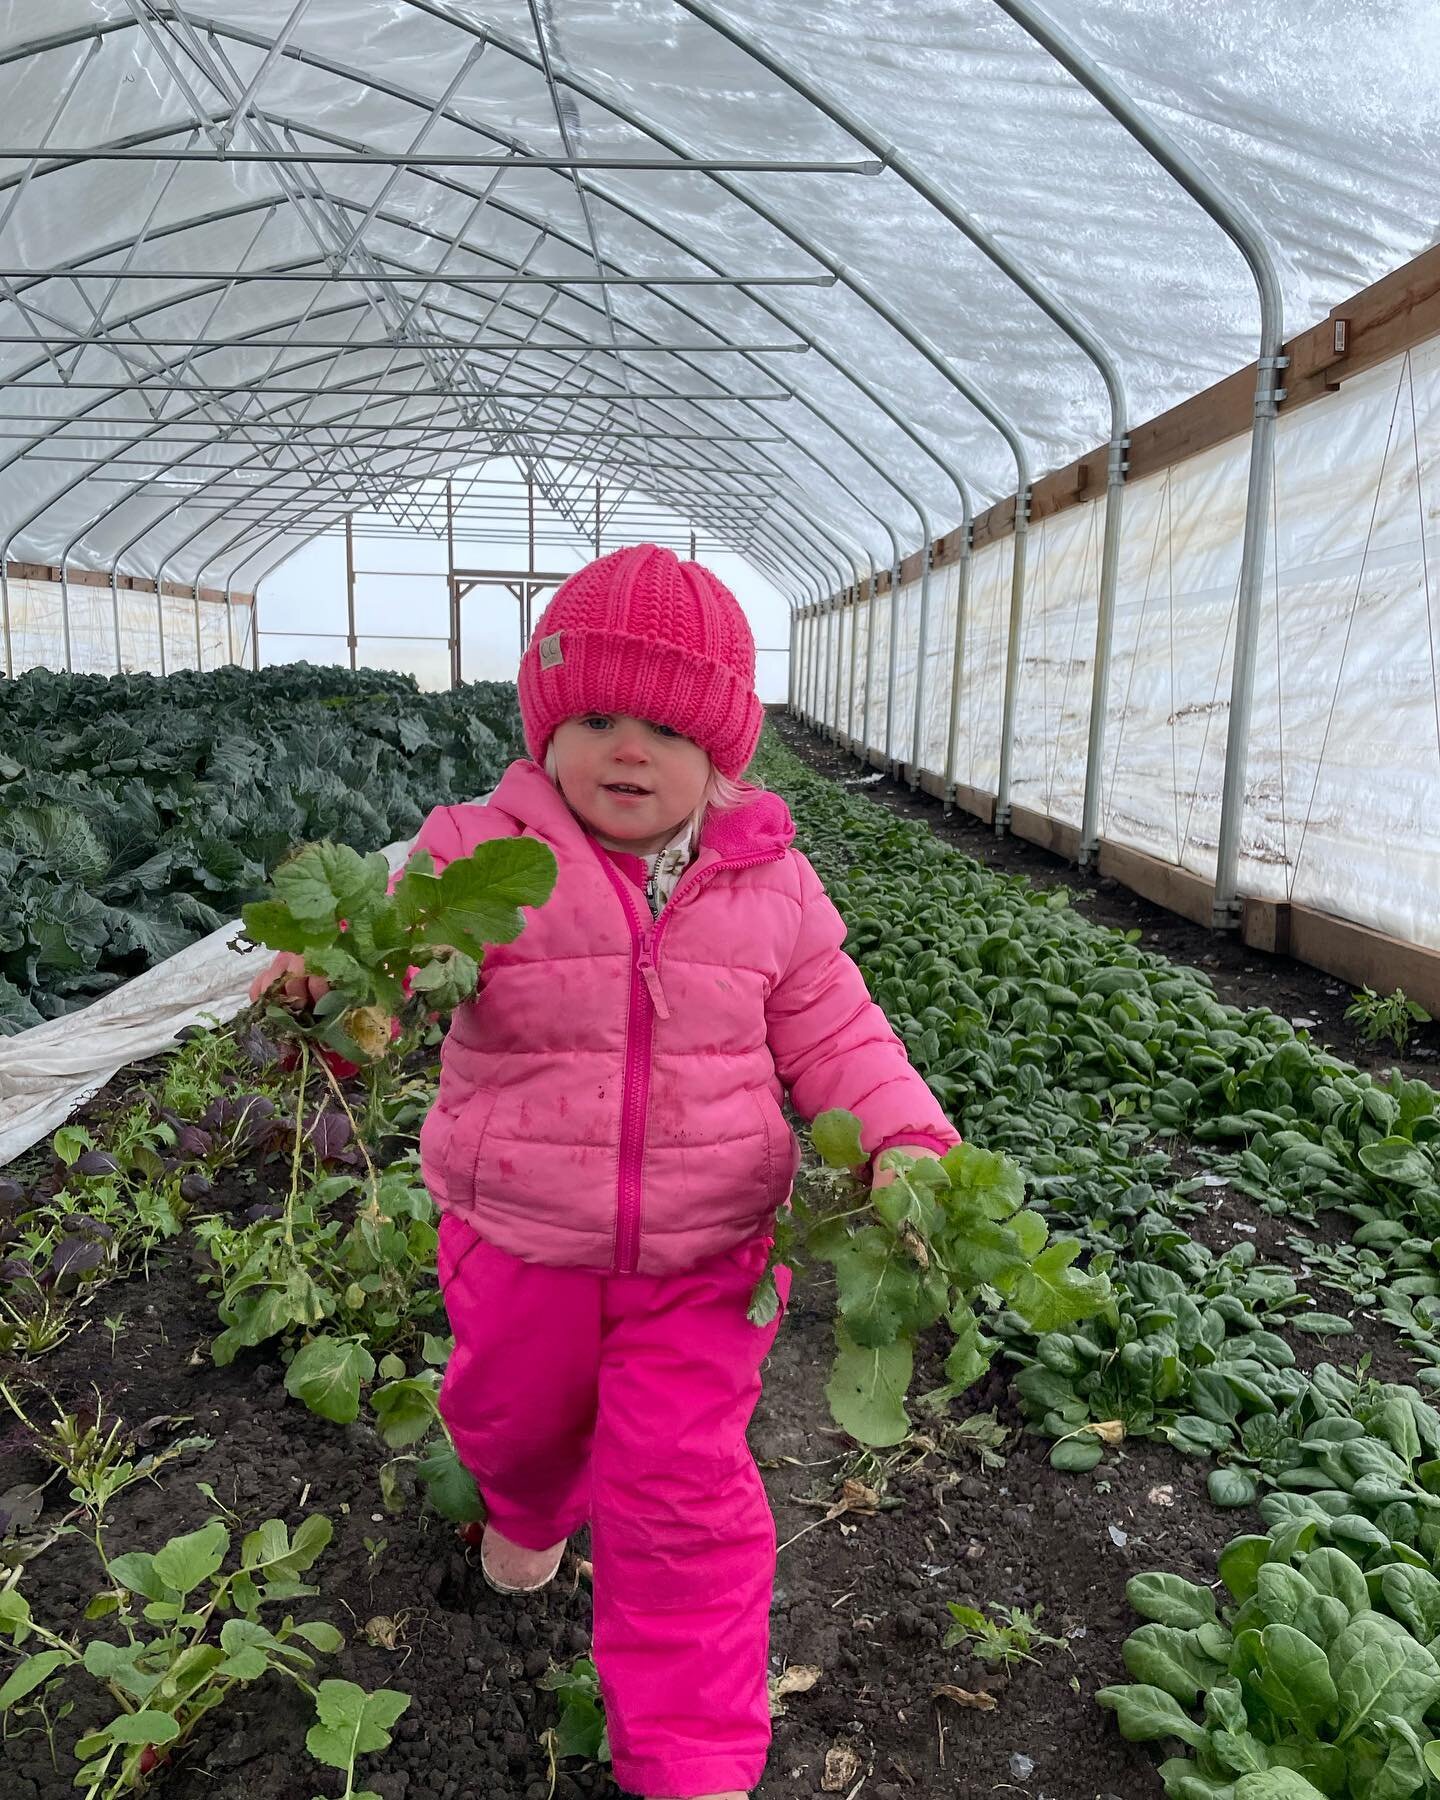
639 1035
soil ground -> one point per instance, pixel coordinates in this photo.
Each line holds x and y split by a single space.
860 1598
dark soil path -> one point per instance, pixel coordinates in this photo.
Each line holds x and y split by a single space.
861 1598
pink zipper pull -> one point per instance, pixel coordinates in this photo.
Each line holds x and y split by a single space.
651 977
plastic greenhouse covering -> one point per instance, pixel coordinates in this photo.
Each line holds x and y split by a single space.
269 262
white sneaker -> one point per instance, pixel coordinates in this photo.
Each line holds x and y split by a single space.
512 1569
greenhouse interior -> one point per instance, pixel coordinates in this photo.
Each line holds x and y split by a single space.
946 494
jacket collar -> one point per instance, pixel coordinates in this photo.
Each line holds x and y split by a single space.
759 828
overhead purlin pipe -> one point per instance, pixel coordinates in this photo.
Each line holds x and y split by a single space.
1245 233
700 319
428 103
535 62
1082 337
802 240
230 469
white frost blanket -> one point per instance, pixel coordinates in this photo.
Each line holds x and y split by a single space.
46 1072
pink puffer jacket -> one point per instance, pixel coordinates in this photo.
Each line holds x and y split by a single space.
610 1099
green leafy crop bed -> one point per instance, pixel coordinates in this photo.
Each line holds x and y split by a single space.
138 813
1107 1098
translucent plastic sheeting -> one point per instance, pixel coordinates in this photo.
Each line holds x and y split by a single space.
1283 106
939 666
1056 661
1342 806
119 633
49 1070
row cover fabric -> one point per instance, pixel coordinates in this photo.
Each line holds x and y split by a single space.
49 1070
1342 805
1287 108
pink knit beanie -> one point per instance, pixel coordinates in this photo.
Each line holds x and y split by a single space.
641 633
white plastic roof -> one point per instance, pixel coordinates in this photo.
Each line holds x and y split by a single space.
1320 119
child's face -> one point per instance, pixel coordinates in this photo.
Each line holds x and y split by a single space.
602 755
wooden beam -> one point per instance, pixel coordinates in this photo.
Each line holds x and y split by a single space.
1364 957
1055 835
1176 889
135 584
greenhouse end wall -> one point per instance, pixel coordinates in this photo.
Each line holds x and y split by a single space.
1342 810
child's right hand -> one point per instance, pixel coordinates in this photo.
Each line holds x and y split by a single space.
295 988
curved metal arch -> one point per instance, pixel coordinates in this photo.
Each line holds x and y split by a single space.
635 122
638 123
171 299
1245 233
419 102
1063 317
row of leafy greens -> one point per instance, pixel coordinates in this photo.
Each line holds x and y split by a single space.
138 813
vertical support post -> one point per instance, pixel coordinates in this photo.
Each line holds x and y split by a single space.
1104 641
869 670
891 669
827 683
841 603
159 621
65 616
1247 638
854 662
1012 659
229 628
115 616
817 657
692 543
453 627
790 667
5 618
350 585
255 626
597 520
957 669
199 649
927 552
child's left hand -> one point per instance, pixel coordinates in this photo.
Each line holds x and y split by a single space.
885 1170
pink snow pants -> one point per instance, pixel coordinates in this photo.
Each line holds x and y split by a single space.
622 1400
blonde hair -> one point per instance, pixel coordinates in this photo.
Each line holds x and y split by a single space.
722 793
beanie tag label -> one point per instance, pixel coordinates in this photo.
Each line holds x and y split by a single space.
551 655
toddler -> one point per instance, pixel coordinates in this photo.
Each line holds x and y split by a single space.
608 1151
